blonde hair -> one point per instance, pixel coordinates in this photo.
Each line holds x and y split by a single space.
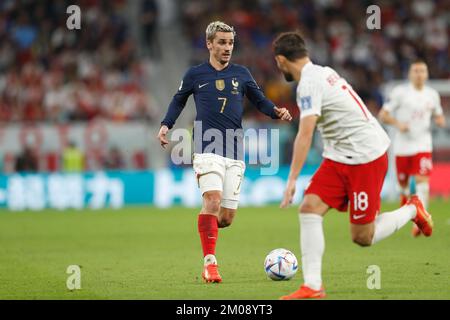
217 26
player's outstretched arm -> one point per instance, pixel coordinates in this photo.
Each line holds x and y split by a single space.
259 100
179 100
302 144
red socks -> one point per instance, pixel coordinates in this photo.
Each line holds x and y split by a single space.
208 230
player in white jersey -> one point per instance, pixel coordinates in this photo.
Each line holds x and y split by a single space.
410 109
354 166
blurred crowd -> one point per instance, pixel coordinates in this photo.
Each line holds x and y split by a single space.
51 73
48 72
71 159
336 35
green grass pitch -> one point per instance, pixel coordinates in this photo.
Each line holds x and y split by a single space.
148 253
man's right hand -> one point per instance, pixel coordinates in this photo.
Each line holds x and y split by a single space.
288 195
403 127
162 136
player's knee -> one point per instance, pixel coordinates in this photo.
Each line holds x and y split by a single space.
212 202
212 206
313 204
307 207
363 240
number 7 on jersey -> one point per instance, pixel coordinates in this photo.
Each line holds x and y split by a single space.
223 104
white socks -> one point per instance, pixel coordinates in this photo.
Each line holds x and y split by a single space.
389 222
209 259
312 243
423 192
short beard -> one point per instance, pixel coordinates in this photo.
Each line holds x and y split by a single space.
223 62
288 76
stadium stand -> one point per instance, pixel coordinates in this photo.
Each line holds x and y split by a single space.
49 73
336 34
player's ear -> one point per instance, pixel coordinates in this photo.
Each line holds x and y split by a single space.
280 59
209 44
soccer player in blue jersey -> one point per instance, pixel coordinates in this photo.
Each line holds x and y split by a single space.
218 87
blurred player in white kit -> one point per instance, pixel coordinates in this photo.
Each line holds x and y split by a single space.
410 108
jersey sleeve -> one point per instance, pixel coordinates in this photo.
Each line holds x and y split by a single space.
437 108
257 97
393 101
179 100
309 98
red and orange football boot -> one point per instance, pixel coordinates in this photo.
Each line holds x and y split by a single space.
211 273
305 293
415 231
423 218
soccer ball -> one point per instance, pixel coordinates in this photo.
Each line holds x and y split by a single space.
280 264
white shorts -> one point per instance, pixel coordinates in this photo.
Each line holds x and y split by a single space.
217 173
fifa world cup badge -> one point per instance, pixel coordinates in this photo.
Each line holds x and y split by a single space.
235 85
220 84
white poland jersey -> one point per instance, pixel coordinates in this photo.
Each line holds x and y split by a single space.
415 108
350 133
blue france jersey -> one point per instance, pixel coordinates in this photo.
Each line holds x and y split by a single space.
219 97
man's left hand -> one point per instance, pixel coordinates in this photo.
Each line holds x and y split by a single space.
283 114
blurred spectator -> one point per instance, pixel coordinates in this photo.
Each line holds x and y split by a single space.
23 33
50 73
26 161
148 19
73 158
336 35
114 159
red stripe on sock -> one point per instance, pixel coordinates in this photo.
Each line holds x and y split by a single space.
208 230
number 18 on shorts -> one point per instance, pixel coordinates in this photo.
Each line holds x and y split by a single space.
359 186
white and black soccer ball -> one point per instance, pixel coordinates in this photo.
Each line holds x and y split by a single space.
280 264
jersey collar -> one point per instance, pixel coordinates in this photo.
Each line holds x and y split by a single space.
306 66
214 69
411 86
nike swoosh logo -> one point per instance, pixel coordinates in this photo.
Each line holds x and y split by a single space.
356 217
202 85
